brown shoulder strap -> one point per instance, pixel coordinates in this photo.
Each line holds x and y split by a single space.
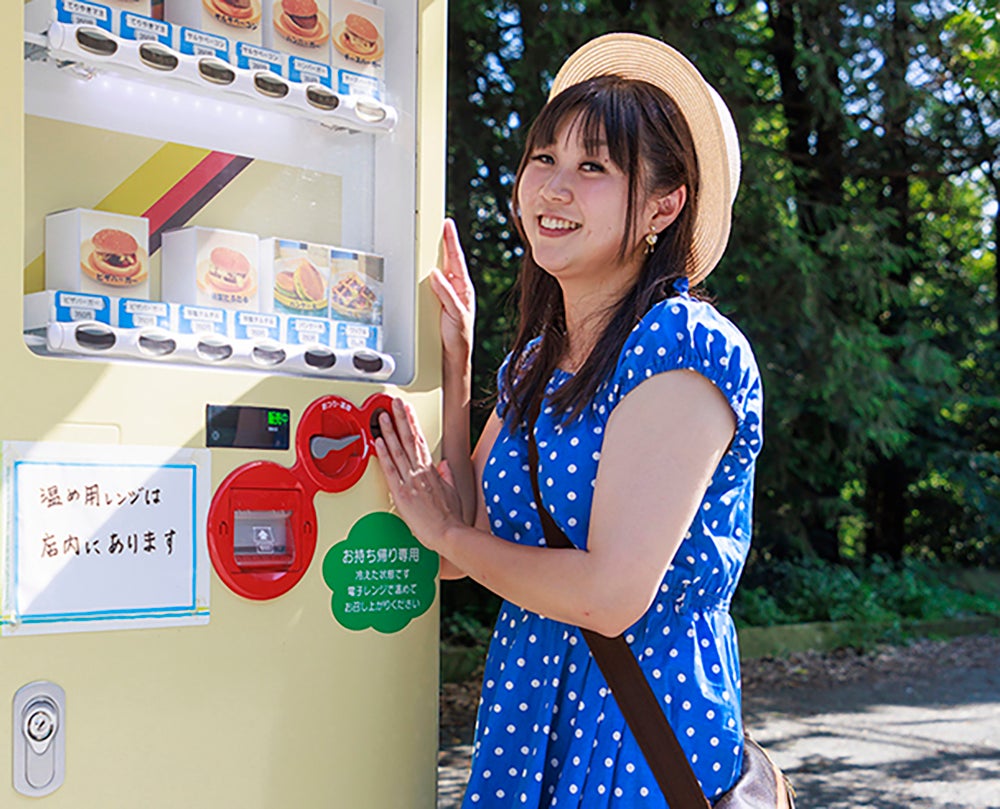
635 698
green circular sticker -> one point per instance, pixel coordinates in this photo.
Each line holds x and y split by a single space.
380 575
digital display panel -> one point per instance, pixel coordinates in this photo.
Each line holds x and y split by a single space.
245 427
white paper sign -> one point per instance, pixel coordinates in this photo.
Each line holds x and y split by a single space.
103 537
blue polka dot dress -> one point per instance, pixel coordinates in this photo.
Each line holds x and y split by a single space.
549 733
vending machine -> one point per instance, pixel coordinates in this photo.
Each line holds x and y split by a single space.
217 220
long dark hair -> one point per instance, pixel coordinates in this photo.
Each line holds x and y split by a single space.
649 141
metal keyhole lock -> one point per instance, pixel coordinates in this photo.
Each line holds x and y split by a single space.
39 738
40 725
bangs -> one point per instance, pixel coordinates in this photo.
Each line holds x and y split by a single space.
599 114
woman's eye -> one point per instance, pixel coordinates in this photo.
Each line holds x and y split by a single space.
542 157
592 166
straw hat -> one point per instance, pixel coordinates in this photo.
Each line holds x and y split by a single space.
634 56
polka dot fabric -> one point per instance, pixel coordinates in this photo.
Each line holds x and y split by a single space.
549 733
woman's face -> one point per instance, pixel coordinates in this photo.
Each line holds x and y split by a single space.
573 207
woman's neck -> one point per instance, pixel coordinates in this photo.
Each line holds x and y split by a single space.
587 314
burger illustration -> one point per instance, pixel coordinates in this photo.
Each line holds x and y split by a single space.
228 276
240 13
301 288
301 22
112 257
358 38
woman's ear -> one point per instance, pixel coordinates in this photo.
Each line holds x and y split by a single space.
667 208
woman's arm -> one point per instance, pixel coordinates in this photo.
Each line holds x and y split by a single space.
662 444
454 290
449 570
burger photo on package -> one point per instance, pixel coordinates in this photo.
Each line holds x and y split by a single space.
300 286
227 277
239 13
114 257
301 22
358 38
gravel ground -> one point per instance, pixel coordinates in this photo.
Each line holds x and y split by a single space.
915 726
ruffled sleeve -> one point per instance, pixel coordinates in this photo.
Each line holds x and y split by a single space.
683 333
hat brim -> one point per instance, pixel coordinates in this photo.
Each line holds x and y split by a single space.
634 56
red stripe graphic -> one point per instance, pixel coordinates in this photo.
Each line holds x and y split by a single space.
186 188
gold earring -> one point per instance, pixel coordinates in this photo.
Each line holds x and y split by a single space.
651 238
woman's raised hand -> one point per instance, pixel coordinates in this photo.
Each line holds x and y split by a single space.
425 495
453 287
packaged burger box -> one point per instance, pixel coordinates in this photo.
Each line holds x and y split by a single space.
298 28
98 252
295 277
210 267
234 19
356 286
357 55
39 14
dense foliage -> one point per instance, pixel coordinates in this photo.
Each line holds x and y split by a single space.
863 259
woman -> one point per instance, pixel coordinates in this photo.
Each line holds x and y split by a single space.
648 424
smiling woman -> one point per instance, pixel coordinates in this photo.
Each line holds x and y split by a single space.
611 491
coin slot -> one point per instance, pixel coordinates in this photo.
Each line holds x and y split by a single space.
93 40
371 113
216 71
367 362
320 358
321 98
157 345
95 337
213 350
268 355
270 85
157 57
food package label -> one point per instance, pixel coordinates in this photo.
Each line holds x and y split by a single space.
141 314
358 52
307 71
308 331
356 335
78 12
201 43
255 57
135 26
72 307
203 320
256 326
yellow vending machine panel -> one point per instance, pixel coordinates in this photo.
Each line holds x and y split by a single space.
212 285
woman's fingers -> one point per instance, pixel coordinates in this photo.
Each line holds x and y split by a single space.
455 268
447 295
396 455
406 434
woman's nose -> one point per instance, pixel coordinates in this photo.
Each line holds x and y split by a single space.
557 187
